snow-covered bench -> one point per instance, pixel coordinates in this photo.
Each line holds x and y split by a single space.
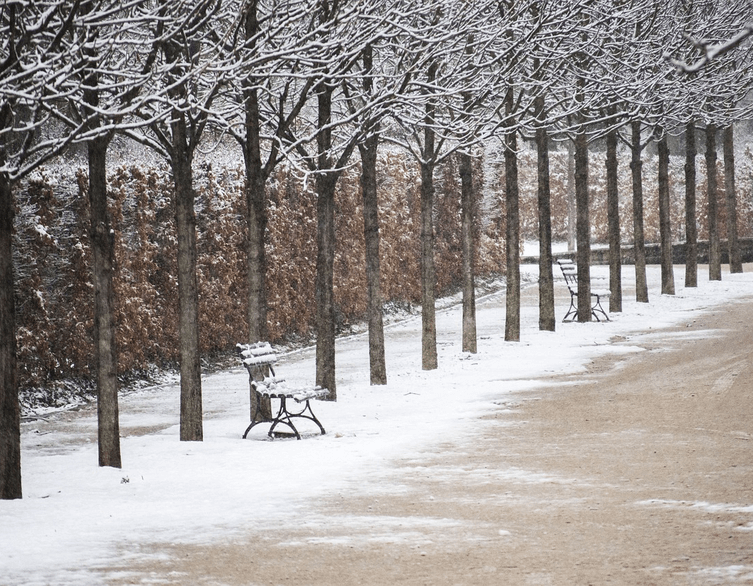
570 273
259 359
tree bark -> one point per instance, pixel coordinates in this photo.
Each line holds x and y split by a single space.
103 259
10 419
715 252
583 227
665 226
191 426
377 363
326 182
325 295
101 237
512 233
691 228
571 238
255 198
428 274
468 246
546 277
735 261
639 249
257 224
613 221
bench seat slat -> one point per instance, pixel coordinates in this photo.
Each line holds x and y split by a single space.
278 388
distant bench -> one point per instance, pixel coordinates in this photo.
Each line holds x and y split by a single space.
570 273
259 359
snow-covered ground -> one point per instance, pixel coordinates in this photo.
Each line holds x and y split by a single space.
76 517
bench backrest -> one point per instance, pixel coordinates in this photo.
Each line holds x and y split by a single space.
257 358
569 272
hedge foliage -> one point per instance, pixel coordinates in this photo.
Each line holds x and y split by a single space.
52 256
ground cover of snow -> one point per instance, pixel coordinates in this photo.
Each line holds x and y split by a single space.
76 518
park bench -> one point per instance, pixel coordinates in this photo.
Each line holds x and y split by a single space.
570 274
259 359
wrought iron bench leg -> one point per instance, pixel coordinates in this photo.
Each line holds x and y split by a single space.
597 309
572 313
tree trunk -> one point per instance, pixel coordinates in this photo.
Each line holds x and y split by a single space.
512 235
256 257
691 229
103 258
715 252
10 419
255 198
428 274
665 226
325 293
583 227
546 277
257 225
735 262
469 288
191 427
326 181
377 364
613 221
636 168
256 218
570 197
101 237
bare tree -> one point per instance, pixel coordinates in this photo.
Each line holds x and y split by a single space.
102 95
443 111
189 79
32 75
325 139
259 110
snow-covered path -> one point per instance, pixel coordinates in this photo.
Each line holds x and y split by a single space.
76 518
